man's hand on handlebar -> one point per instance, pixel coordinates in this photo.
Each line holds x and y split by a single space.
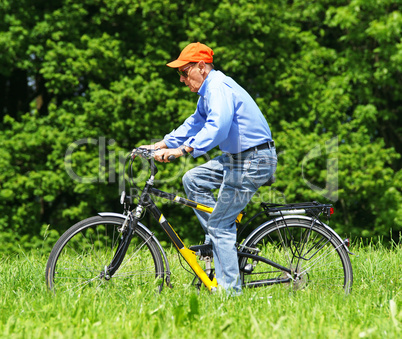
160 152
163 155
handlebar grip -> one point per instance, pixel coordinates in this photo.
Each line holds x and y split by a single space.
171 158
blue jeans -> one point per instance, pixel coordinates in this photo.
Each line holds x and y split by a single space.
238 177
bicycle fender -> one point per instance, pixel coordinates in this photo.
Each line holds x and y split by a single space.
144 228
273 221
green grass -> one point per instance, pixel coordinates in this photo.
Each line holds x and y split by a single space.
372 310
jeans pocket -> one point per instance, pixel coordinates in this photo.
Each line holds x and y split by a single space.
261 170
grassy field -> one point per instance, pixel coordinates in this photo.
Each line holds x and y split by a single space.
373 310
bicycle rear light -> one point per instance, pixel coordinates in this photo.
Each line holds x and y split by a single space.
328 211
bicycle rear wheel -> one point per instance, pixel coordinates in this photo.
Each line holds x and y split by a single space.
315 257
81 256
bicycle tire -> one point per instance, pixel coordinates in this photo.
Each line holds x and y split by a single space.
80 257
315 256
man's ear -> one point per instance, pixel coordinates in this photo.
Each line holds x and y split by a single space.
202 66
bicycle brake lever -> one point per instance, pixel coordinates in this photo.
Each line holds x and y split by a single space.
133 153
144 153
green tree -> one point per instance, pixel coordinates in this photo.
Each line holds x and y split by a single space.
88 78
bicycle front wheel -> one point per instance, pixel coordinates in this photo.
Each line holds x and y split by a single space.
313 256
81 257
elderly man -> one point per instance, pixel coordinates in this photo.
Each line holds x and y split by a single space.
226 116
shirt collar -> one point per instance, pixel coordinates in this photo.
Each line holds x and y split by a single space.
203 89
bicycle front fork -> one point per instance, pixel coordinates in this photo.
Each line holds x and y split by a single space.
127 230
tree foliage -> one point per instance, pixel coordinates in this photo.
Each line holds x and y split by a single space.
83 82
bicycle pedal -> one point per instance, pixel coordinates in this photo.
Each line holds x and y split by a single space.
204 250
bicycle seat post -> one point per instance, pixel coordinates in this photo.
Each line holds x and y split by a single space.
208 266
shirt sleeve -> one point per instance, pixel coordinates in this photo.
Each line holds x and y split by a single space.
219 110
191 126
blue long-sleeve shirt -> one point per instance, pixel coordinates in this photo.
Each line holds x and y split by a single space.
226 115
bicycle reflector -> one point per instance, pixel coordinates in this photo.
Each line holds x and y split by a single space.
328 211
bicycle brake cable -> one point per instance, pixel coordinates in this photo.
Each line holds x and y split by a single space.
185 268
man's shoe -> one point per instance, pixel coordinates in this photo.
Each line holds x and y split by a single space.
204 250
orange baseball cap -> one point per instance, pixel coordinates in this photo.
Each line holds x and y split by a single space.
193 53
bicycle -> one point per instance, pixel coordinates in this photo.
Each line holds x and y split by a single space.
292 247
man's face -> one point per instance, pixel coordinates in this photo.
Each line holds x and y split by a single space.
194 77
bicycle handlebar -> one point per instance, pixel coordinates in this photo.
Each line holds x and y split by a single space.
144 153
148 154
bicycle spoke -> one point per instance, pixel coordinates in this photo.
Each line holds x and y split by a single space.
322 256
136 251
81 260
310 253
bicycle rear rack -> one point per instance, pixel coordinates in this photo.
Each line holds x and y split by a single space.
314 209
